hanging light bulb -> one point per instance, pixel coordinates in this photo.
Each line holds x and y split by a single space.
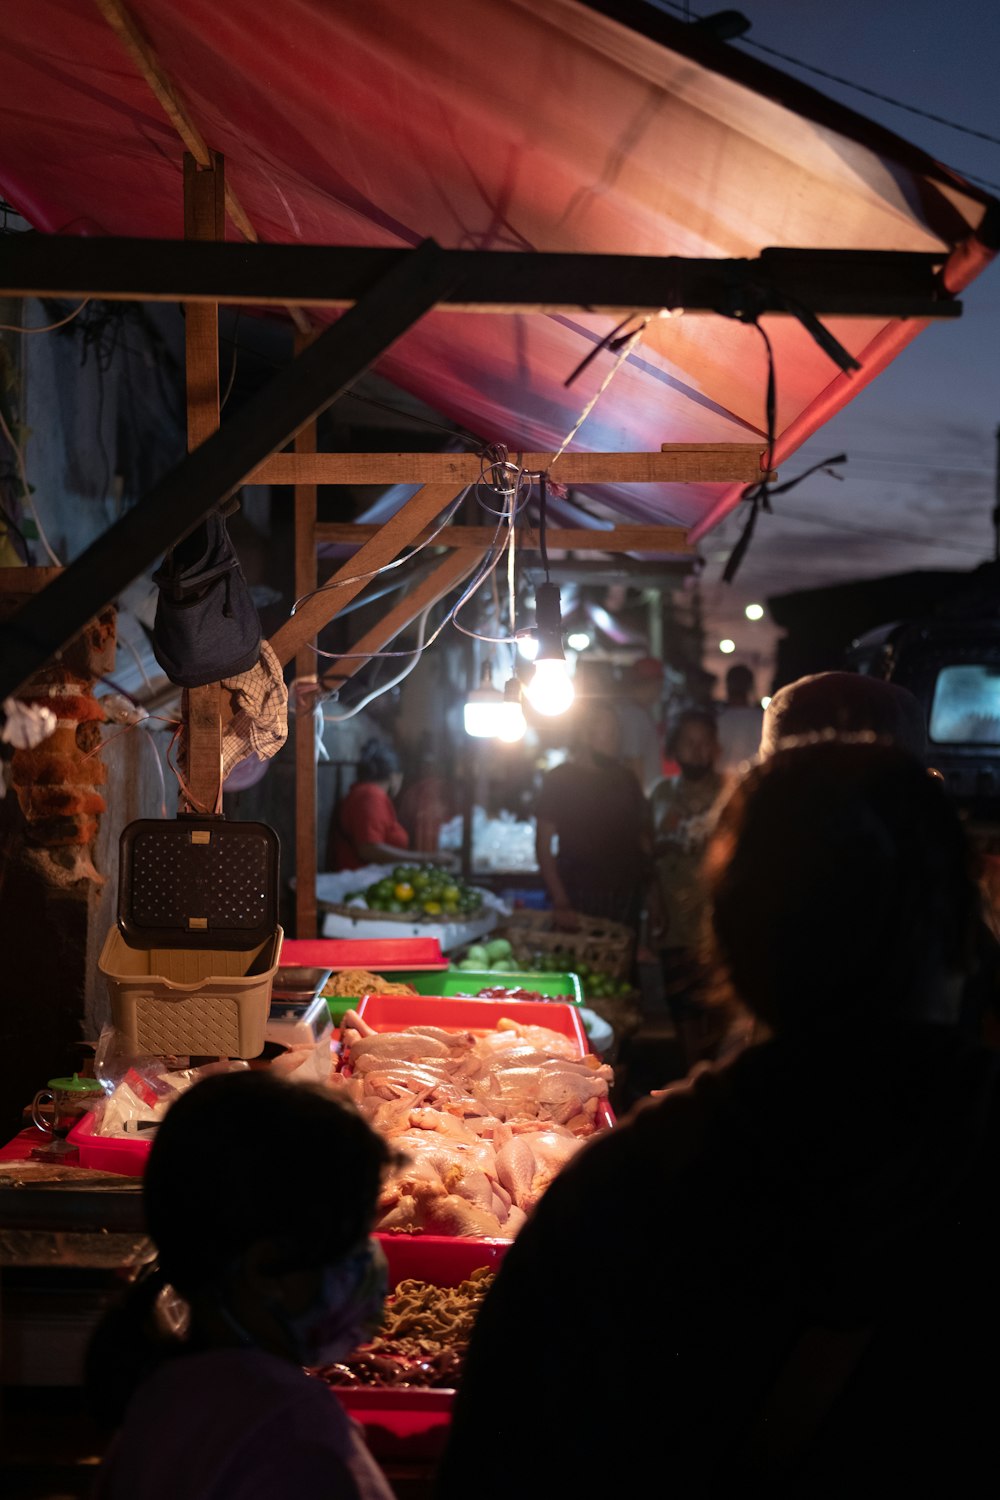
527 646
550 691
484 706
513 724
491 715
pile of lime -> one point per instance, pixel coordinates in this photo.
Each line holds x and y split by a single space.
423 890
597 984
497 956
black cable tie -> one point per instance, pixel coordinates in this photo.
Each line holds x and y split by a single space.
607 342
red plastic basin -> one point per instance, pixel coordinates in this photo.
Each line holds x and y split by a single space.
384 955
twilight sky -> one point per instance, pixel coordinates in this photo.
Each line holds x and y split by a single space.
921 439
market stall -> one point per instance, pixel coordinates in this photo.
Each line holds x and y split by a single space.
491 293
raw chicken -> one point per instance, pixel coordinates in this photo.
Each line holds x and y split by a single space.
484 1122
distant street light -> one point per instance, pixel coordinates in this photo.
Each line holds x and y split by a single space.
754 611
727 646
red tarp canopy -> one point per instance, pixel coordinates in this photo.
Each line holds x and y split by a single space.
499 124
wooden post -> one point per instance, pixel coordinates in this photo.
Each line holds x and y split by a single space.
306 858
204 219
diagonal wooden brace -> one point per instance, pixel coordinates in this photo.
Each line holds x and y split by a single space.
414 283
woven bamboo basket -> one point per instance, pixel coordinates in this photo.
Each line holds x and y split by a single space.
603 945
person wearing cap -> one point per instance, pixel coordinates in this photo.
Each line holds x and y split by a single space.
848 704
844 703
638 733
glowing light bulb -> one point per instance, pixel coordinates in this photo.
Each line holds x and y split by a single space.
754 611
727 646
513 724
579 640
527 645
764 701
550 690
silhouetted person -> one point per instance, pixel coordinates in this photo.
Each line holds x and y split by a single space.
739 720
259 1196
596 810
779 1278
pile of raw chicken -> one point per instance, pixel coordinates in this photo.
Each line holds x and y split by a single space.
484 1120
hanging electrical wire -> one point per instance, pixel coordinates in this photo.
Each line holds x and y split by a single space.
45 327
386 687
397 562
26 487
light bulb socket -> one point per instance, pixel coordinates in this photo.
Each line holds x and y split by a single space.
548 623
512 690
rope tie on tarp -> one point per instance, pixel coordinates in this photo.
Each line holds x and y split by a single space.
759 495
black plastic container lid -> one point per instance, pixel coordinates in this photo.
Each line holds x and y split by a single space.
197 882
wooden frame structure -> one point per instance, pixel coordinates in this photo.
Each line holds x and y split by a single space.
384 291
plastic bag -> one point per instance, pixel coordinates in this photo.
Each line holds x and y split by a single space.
139 1089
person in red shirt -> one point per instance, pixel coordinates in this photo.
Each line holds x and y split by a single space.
364 829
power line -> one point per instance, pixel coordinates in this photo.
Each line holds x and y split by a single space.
829 524
860 88
913 109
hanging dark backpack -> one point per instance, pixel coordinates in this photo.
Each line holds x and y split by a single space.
206 626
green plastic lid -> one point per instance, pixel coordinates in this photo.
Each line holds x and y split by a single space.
76 1085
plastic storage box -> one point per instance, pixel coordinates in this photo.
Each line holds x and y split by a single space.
208 1001
190 965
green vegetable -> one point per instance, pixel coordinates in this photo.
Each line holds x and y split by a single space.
480 955
498 948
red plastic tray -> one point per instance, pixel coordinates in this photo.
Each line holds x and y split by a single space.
108 1153
412 1423
396 1012
382 954
444 1259
401 1426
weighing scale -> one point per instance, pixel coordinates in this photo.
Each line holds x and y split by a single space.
299 1014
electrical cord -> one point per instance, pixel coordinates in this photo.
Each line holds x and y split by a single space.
28 498
385 687
45 327
913 109
341 583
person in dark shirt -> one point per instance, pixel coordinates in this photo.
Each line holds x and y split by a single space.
596 810
779 1277
265 1266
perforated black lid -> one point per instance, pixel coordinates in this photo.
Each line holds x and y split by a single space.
197 882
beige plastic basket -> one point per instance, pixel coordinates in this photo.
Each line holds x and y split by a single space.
603 945
211 1002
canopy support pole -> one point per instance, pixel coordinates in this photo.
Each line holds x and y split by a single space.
306 857
204 219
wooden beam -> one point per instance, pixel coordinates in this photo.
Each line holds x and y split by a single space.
381 545
449 572
671 539
838 283
676 463
204 219
213 472
204 747
306 857
143 55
